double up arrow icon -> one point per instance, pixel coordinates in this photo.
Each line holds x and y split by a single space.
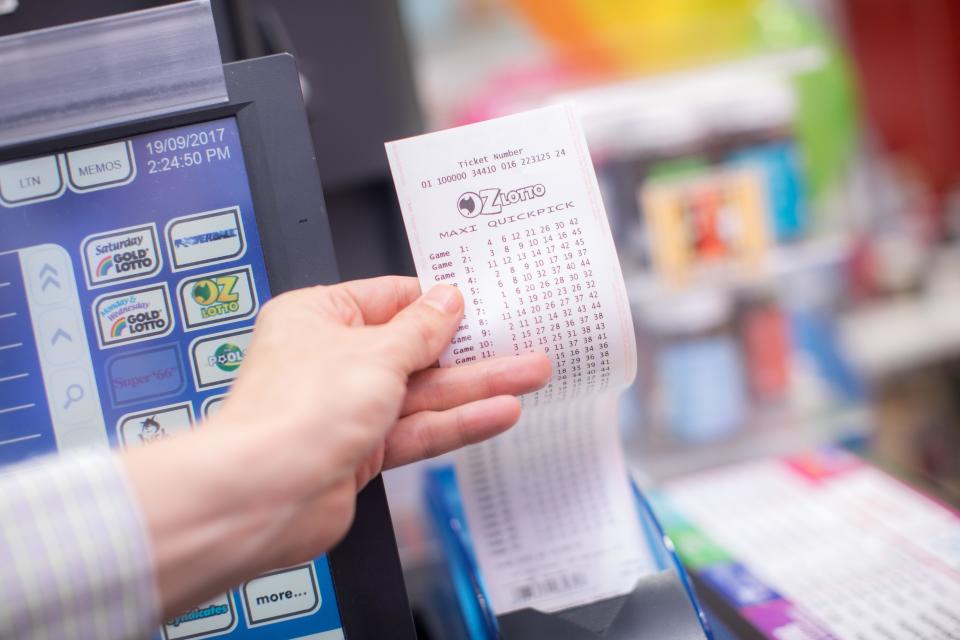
48 277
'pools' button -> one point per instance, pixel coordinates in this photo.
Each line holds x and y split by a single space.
213 618
30 181
133 315
121 255
278 595
144 375
216 358
205 238
102 167
216 298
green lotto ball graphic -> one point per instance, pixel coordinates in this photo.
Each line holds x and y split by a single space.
228 357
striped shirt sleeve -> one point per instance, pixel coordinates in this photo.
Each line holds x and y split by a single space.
74 553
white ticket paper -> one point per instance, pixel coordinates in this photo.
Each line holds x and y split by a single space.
509 211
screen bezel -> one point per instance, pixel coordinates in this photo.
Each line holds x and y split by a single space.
265 98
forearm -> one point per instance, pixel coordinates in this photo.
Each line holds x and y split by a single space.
206 528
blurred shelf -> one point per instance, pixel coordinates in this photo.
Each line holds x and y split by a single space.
653 462
603 102
887 338
891 336
782 263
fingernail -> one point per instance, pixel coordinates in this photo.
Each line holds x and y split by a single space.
444 298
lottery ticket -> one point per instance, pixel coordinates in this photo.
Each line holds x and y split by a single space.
509 211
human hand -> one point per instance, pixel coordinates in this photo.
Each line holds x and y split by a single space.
336 385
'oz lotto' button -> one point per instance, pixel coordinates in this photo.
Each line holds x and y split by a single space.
213 618
29 181
217 298
282 594
216 358
102 167
205 238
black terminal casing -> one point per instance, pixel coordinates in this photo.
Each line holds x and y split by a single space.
264 97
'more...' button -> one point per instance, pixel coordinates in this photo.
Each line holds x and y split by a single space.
281 595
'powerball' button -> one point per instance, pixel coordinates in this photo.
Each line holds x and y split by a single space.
280 595
205 238
144 375
216 358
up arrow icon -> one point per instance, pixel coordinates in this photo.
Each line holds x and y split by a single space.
60 335
48 277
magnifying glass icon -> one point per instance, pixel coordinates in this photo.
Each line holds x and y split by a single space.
74 394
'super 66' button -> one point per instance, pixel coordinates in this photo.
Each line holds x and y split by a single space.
216 358
121 255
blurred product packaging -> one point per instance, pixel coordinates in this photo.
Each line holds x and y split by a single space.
698 382
702 169
765 336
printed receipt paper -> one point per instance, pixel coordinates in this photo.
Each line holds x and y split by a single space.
509 211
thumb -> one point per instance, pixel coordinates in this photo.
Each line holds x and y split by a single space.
418 334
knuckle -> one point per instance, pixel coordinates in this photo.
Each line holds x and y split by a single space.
269 311
426 440
422 341
424 329
344 306
490 380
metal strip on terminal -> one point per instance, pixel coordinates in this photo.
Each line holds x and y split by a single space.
108 71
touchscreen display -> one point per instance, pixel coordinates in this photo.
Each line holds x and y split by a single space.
130 276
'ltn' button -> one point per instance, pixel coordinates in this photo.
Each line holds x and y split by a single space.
30 181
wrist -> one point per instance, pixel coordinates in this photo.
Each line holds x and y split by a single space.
203 525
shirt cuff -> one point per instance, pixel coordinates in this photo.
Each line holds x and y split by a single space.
74 551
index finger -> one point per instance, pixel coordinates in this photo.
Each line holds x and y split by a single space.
379 299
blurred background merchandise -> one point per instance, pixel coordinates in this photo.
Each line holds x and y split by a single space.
782 180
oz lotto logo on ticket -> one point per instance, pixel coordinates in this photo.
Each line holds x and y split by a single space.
488 202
